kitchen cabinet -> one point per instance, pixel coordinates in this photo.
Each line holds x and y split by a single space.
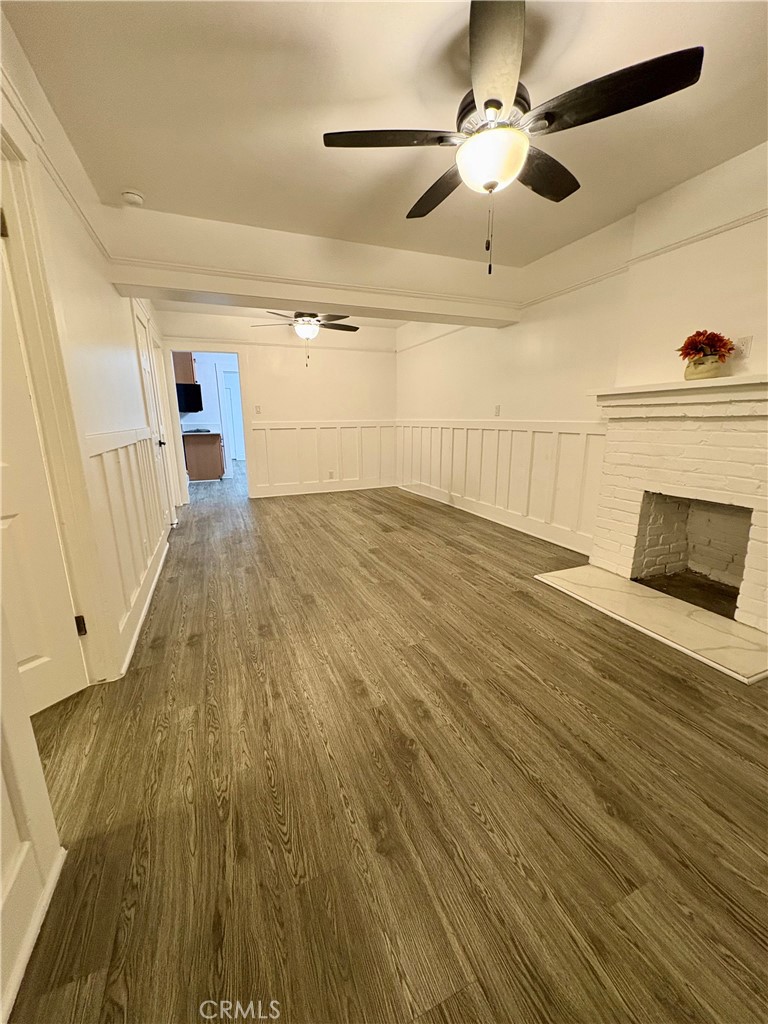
184 368
204 455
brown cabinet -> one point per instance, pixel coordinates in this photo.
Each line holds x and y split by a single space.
204 456
184 368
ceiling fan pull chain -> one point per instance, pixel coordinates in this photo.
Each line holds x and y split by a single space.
489 239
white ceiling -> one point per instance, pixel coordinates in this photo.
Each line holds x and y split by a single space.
217 110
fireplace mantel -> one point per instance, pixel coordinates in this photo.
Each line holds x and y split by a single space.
716 390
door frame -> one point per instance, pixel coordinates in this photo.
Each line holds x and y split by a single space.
193 345
56 423
142 321
40 857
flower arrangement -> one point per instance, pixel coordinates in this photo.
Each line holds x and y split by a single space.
706 343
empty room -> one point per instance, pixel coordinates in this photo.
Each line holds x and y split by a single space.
385 512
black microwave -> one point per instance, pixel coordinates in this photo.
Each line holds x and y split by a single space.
190 397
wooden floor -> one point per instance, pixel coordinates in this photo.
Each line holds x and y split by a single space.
365 765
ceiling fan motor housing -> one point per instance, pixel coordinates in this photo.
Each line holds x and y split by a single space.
469 119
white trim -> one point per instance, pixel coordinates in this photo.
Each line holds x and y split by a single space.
728 388
283 490
172 341
30 938
438 337
280 424
136 621
556 426
97 444
15 100
699 236
585 282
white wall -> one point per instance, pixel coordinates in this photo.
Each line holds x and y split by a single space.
95 323
621 302
348 385
542 368
536 465
108 505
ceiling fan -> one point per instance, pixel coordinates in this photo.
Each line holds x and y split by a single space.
307 325
495 121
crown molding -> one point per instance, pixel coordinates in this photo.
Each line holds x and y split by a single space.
50 168
587 282
15 100
662 250
200 343
437 337
700 236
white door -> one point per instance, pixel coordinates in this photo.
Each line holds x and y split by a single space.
35 592
168 450
154 415
233 412
31 855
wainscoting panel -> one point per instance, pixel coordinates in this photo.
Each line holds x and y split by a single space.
302 458
133 531
538 477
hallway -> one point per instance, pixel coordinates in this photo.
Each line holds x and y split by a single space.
363 764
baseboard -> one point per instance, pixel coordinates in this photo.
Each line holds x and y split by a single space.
323 486
560 535
135 619
30 938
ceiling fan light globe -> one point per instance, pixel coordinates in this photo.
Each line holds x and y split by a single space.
491 159
307 331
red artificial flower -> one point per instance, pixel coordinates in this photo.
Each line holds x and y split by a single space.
706 343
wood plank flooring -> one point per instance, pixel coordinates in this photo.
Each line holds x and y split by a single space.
365 765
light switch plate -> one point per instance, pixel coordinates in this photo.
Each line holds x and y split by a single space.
258 410
498 411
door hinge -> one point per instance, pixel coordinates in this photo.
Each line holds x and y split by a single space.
3 224
80 625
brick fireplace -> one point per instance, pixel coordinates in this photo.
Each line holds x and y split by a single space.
684 487
706 446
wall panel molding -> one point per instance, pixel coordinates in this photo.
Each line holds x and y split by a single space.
298 457
132 534
537 476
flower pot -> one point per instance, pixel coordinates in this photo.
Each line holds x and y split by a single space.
702 367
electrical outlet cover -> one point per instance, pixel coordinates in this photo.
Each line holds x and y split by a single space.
744 346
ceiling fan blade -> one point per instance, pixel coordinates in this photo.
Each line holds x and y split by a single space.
269 325
613 94
327 318
547 177
299 316
496 32
339 327
436 193
392 137
284 315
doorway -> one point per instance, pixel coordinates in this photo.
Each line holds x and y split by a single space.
211 414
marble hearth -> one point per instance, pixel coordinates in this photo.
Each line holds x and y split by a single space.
698 445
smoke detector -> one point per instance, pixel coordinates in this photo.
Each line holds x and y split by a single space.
132 198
